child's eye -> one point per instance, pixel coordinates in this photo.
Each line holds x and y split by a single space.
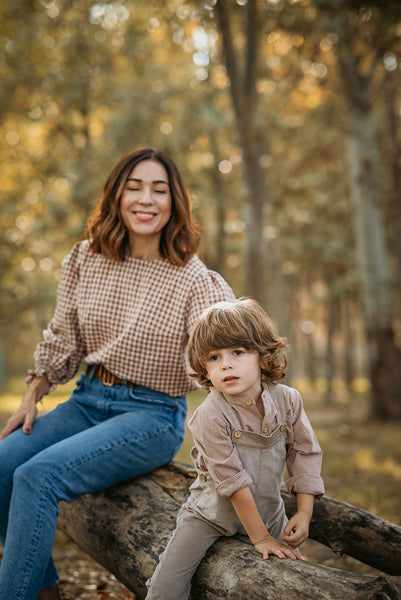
238 352
214 357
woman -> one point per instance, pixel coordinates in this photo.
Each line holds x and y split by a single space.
127 300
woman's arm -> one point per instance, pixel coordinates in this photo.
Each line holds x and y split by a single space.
248 513
59 354
26 413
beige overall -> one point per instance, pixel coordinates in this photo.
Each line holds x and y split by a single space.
206 515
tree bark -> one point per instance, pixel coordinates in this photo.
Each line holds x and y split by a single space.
126 527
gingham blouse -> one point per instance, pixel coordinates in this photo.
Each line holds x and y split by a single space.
134 317
217 454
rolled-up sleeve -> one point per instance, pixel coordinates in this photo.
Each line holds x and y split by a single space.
59 354
304 455
216 452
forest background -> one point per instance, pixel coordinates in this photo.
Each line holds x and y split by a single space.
284 116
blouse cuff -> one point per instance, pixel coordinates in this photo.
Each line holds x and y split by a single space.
233 483
305 484
30 375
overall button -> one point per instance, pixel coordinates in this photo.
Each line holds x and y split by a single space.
283 428
248 402
202 478
266 430
237 434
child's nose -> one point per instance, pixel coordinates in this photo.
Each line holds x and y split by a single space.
226 363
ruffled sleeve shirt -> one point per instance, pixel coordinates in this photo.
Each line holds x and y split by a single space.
134 317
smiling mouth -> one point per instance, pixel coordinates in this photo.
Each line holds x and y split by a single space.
146 216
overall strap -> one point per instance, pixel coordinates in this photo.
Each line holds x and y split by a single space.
277 393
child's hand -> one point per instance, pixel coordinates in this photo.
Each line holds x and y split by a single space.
297 529
269 545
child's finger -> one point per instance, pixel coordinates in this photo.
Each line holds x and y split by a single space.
291 540
278 553
286 553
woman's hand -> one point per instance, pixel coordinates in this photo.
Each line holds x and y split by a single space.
26 413
269 545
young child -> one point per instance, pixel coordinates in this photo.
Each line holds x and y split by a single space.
245 432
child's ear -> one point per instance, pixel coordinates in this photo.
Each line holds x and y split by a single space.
262 363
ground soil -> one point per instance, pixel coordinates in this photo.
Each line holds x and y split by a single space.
81 578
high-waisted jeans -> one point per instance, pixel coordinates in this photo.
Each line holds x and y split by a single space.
102 435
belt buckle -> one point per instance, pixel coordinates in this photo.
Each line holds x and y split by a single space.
107 377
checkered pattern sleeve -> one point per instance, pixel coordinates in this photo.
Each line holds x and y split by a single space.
133 317
60 353
207 289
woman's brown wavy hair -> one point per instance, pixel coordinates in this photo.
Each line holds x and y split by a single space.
107 235
237 324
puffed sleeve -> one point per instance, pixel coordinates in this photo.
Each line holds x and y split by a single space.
216 453
59 354
304 455
207 289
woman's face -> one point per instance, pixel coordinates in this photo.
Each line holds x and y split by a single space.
146 206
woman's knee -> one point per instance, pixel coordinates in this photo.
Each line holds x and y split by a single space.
8 464
33 479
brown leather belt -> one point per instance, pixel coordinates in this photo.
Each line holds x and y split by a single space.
106 376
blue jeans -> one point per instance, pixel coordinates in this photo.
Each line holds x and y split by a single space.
102 435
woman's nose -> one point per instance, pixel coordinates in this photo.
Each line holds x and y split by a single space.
146 196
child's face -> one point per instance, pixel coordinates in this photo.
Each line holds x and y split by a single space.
235 371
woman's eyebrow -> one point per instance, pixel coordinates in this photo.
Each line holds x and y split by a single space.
141 180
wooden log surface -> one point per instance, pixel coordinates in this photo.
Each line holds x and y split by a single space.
126 527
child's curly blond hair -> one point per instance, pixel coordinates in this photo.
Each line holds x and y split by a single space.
238 323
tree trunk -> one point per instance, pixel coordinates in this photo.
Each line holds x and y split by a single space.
126 527
383 354
348 355
363 162
252 141
330 362
390 98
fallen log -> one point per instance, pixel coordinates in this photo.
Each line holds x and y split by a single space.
349 530
126 527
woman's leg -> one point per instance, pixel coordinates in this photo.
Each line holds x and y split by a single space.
17 448
179 561
118 446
